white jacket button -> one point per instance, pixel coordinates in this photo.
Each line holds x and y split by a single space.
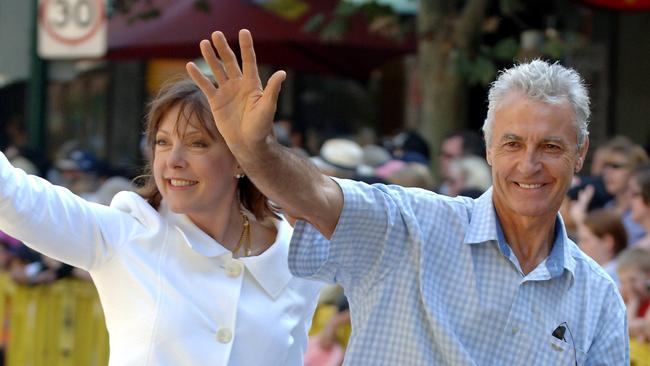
224 335
233 268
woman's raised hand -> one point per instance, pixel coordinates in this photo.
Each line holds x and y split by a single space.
242 109
579 208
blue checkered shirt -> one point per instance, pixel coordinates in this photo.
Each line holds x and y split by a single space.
431 281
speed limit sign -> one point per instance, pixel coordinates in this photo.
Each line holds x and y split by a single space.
71 28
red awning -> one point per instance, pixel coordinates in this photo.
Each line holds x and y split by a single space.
620 4
178 30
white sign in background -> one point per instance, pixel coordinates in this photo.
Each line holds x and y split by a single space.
71 29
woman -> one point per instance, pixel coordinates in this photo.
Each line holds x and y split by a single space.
192 272
468 176
640 202
622 159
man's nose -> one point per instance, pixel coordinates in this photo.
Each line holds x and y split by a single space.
531 162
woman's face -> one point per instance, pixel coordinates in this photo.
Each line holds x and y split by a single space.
616 173
633 283
194 173
640 210
599 249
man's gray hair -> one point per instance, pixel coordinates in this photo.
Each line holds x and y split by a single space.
545 82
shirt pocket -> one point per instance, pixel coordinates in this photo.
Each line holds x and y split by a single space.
553 351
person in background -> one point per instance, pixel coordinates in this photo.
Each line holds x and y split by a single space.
602 236
192 269
327 346
415 175
622 159
339 157
634 274
600 195
374 156
79 172
18 150
431 279
640 202
468 176
456 145
598 160
291 134
409 142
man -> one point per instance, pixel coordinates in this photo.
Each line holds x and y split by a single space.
456 145
437 280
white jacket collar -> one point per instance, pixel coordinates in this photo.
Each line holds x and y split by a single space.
270 269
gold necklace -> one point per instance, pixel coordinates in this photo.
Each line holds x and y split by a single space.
244 238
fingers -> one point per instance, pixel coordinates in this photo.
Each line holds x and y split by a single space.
590 190
201 80
227 55
225 65
211 58
249 61
585 195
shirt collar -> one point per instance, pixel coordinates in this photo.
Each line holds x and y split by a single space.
564 246
484 224
270 269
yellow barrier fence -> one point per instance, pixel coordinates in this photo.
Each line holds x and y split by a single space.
61 324
322 315
639 353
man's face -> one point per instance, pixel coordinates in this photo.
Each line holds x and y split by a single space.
452 148
533 155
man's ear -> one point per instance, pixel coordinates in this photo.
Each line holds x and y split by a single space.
488 156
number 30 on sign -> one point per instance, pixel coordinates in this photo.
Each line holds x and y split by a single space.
71 28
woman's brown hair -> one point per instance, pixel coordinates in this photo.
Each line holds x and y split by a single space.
634 153
193 103
603 222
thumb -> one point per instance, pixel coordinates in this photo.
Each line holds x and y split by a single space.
273 86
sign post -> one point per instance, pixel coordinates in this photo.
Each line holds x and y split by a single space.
71 29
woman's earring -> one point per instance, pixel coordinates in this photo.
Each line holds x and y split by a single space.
240 175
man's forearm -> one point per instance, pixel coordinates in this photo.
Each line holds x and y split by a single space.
293 183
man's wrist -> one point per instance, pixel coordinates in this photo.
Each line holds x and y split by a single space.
250 153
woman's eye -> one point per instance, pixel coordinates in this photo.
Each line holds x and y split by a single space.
199 144
161 142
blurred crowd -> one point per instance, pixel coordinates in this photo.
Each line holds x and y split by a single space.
74 168
607 210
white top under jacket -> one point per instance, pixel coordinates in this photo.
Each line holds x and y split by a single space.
171 294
